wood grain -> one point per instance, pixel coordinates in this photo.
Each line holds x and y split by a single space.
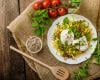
98 21
11 64
14 65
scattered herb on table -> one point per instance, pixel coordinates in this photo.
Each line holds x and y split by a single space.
40 21
97 51
82 72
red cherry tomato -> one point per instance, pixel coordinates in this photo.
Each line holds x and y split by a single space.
62 11
37 5
55 3
46 4
53 13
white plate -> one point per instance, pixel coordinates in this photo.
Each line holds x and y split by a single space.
82 57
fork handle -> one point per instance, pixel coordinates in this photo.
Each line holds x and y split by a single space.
30 57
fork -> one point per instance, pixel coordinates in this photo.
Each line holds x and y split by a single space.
59 72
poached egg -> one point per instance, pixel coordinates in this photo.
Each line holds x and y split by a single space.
67 36
83 44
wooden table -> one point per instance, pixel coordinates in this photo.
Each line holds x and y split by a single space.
12 65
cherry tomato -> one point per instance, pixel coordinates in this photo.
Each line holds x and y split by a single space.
46 4
55 3
37 5
53 13
62 11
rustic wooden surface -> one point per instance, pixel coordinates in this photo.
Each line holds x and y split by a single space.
12 65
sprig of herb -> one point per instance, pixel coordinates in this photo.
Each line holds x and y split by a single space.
65 21
97 52
77 34
95 39
82 72
40 21
88 36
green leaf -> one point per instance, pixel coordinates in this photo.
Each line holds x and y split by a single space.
40 20
40 31
43 30
95 39
88 36
96 54
35 24
76 32
76 1
37 32
66 21
82 72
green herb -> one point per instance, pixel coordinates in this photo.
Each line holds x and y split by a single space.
77 34
65 21
88 36
40 31
77 44
75 1
82 72
65 46
95 39
40 21
35 24
97 52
